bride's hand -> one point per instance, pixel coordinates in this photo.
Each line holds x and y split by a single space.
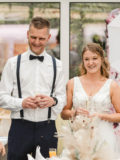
81 111
94 115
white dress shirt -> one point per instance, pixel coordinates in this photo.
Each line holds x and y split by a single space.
36 78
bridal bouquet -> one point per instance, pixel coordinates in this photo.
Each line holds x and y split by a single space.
83 142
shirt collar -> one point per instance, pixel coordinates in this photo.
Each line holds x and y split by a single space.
42 54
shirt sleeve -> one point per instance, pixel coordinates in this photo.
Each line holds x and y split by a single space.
60 91
7 101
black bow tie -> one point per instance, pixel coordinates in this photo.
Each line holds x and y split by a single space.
40 58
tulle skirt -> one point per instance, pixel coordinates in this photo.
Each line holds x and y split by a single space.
107 135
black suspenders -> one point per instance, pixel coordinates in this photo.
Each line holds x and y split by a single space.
19 86
18 83
53 85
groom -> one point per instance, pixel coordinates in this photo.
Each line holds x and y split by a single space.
28 95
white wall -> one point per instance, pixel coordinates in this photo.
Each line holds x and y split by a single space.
114 43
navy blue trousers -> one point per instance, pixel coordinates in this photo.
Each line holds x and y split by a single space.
24 136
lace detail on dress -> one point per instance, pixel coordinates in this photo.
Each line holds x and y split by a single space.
100 102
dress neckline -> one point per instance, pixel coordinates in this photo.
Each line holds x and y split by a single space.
94 93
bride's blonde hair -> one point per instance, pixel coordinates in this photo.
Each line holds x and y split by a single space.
96 48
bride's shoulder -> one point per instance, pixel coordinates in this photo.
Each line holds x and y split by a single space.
115 87
72 80
114 84
70 84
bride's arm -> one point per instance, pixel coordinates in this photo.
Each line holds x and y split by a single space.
68 112
115 99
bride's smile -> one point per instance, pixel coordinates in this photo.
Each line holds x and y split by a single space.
92 62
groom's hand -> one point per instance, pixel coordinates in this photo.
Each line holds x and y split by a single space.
29 102
44 101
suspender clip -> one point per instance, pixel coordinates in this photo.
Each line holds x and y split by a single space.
48 121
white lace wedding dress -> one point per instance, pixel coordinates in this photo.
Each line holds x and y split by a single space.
101 103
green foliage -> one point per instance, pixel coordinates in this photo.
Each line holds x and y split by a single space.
82 9
78 14
94 7
32 6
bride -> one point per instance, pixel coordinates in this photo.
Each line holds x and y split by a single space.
93 94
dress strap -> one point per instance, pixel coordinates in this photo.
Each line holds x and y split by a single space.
77 85
107 84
